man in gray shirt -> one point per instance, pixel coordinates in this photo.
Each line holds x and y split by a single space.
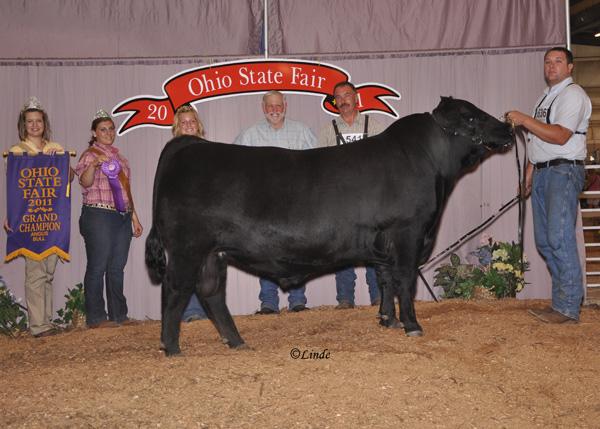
277 130
349 127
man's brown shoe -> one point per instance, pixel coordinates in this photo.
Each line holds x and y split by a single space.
344 305
104 324
539 311
128 322
48 333
553 317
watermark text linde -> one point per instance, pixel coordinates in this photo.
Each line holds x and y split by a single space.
306 354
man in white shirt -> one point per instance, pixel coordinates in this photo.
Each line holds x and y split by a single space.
555 177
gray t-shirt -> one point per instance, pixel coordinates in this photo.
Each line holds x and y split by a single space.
349 133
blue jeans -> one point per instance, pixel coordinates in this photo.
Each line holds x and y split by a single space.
107 235
194 309
345 285
269 296
554 203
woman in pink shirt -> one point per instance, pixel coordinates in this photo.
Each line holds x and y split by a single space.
108 221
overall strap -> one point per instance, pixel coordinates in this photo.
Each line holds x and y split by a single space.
338 137
550 108
366 131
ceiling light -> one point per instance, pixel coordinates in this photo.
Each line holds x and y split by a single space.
597 35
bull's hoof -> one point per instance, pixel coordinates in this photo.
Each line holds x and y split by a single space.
397 324
415 333
233 344
390 322
170 351
242 346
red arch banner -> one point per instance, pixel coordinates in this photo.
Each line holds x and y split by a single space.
244 77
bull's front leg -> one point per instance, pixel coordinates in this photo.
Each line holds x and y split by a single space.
387 290
406 291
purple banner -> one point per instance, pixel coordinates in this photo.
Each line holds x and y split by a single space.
39 206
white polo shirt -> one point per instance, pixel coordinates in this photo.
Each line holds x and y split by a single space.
570 107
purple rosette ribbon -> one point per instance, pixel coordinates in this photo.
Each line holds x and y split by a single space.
111 169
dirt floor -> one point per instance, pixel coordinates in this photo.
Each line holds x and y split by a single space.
481 364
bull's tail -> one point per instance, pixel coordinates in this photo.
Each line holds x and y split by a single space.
156 262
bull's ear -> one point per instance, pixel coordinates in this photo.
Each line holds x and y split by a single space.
446 98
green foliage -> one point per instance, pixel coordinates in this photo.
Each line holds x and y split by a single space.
455 278
74 305
498 270
13 318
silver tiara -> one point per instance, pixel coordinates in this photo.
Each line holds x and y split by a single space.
101 114
32 104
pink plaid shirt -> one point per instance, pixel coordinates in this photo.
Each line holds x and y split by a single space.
100 192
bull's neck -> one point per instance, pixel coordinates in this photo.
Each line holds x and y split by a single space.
448 158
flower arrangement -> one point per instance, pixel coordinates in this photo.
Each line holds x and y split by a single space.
13 316
497 270
74 311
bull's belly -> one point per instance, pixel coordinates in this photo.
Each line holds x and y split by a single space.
302 263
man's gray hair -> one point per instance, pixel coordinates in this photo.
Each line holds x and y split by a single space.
272 92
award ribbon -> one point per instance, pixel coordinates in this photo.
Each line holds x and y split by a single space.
111 169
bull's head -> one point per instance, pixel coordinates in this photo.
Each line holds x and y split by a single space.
462 119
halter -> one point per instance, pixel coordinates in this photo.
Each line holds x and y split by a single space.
453 131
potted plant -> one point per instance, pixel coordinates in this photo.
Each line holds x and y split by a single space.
73 314
497 273
13 316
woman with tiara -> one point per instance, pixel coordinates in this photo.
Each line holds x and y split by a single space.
108 221
34 134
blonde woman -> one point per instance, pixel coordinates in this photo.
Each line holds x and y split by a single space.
186 122
34 136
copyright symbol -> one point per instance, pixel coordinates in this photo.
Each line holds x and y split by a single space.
295 353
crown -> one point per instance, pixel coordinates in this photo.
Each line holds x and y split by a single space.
101 114
32 104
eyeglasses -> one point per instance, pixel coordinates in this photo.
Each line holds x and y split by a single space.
342 96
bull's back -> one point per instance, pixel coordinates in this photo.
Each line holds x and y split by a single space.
235 194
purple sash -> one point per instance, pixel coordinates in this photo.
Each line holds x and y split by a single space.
111 169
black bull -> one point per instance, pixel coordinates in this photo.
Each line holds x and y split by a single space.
294 215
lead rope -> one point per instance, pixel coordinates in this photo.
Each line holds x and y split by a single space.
522 172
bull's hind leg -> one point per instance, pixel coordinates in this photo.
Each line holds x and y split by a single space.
212 290
177 288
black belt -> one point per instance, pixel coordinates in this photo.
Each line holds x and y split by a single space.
558 161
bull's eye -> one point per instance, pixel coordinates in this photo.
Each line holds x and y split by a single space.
470 119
